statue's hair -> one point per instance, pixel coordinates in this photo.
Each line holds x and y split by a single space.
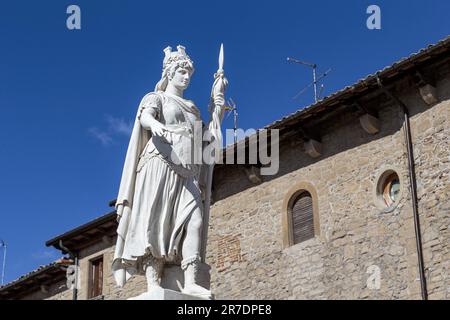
173 61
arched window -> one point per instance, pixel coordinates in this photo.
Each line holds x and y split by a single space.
302 216
300 219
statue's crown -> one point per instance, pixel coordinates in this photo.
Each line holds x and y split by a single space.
171 57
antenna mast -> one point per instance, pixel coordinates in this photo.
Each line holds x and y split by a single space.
315 78
3 244
233 108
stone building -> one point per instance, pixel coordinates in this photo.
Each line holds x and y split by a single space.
357 171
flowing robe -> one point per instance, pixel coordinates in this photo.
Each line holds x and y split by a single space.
160 186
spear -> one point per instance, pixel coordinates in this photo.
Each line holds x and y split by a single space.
216 107
217 101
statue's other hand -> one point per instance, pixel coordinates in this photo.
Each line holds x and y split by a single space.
158 129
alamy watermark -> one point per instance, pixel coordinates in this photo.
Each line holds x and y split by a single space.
374 20
73 21
198 145
374 279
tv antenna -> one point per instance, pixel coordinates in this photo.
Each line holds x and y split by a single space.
315 78
3 245
231 107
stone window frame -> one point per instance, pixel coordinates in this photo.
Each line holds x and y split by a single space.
377 193
289 199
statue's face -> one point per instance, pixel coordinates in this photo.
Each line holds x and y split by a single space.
181 78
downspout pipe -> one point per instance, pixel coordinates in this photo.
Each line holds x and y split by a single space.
413 184
75 258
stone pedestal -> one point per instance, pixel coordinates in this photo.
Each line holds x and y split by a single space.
165 294
172 283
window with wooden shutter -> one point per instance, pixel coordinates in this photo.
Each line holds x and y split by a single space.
302 218
96 278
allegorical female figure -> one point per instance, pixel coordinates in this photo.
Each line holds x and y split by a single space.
159 205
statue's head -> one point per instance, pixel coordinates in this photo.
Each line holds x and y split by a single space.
177 69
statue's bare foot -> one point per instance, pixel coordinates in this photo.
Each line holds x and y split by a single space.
196 290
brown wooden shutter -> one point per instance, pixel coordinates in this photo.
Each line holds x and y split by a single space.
302 218
96 283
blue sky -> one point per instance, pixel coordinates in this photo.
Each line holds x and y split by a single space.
67 97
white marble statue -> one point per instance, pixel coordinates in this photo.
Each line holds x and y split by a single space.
161 201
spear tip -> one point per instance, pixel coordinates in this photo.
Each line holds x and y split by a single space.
221 57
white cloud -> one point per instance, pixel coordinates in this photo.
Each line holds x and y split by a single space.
115 127
119 125
101 136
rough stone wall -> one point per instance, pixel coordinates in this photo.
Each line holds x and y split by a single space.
135 286
57 291
355 233
245 246
431 132
60 292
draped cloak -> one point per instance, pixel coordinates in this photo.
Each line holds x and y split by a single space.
166 191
